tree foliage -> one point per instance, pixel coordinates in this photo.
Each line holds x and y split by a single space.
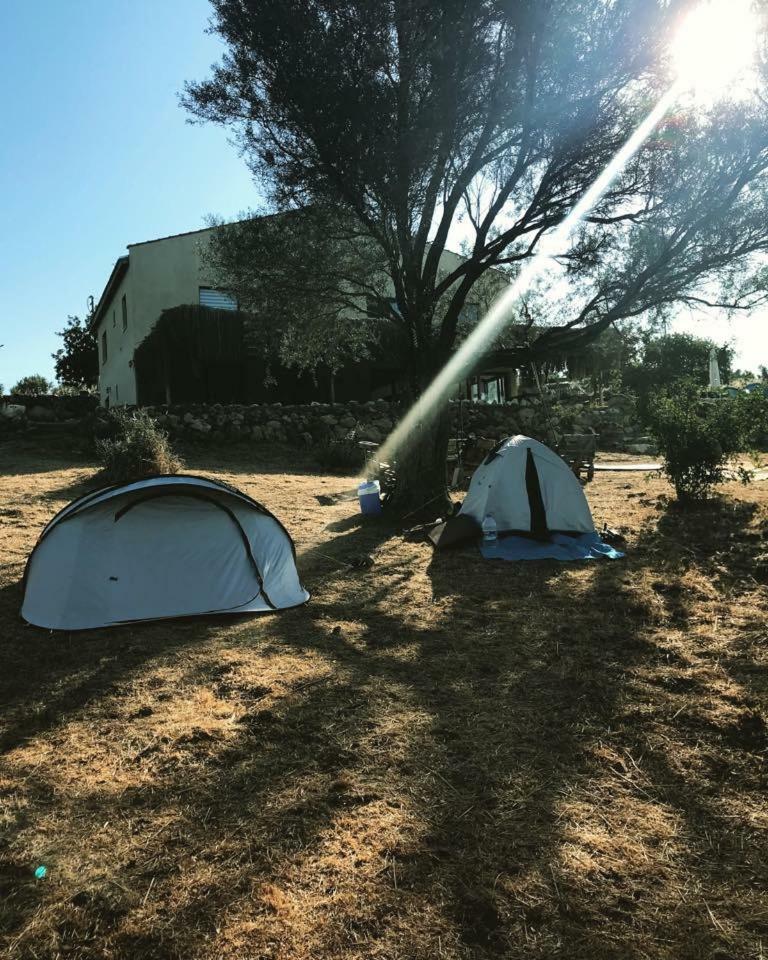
35 385
77 360
288 272
396 120
700 437
662 361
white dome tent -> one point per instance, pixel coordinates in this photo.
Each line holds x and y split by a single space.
536 503
527 488
167 546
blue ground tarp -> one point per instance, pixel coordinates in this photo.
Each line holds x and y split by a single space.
587 546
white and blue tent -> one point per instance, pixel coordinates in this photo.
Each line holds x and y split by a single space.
167 546
527 488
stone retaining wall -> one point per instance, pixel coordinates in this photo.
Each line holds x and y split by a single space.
313 424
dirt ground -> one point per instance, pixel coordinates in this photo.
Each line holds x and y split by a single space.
438 757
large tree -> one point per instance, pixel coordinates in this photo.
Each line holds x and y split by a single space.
396 119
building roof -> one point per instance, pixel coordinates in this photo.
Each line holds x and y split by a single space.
172 236
118 272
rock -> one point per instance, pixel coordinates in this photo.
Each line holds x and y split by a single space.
39 414
641 448
12 411
257 433
200 425
188 417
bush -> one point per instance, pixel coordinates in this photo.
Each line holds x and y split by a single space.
135 448
699 437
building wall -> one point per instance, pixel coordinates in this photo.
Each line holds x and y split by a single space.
168 273
116 381
161 274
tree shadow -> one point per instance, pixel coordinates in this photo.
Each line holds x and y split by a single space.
215 848
711 546
484 722
47 675
249 457
512 703
32 455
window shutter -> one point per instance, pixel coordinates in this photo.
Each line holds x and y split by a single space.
217 299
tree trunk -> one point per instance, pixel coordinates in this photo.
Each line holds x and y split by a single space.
421 491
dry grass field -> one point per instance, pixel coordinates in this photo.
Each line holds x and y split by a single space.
438 757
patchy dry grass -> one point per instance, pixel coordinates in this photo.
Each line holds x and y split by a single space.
437 757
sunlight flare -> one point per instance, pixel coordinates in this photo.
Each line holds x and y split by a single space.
715 47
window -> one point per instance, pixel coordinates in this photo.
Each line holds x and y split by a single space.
117 394
125 312
104 346
217 299
114 319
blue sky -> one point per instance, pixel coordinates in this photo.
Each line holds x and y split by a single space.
96 153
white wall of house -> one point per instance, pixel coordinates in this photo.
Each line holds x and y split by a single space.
117 384
161 274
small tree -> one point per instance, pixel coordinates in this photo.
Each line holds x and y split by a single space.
35 385
700 438
77 361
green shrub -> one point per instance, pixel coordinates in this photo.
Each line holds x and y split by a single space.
135 448
699 437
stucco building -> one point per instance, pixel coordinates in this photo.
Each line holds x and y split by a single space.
153 276
157 275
